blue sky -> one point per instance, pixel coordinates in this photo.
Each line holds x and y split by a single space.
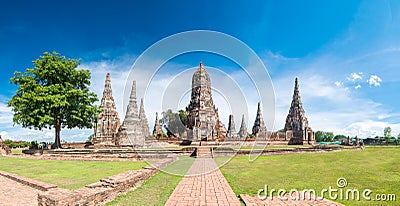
345 53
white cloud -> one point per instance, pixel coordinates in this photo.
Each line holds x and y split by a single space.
279 57
339 84
370 128
355 76
4 134
336 106
6 120
374 80
4 108
329 107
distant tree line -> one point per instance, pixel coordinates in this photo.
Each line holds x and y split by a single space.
387 138
13 144
321 136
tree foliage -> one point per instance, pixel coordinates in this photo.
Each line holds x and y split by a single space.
321 136
387 132
183 116
13 144
339 136
53 94
174 122
89 139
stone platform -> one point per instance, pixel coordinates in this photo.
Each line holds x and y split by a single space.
15 193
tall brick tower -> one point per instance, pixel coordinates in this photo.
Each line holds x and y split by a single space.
130 132
107 125
296 126
259 130
203 121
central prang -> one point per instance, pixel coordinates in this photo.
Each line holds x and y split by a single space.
203 120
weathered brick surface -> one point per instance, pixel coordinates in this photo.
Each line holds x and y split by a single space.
203 184
27 181
15 193
19 190
104 190
4 149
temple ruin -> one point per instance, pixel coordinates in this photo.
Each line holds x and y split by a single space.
296 127
202 124
108 123
108 131
158 131
243 134
131 131
4 149
144 123
231 134
259 130
203 120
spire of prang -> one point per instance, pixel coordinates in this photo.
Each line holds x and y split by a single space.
157 127
132 113
107 93
296 92
243 129
259 130
108 122
143 120
231 128
296 119
133 91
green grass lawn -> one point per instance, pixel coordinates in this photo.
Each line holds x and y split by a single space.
16 151
65 174
377 169
270 147
157 189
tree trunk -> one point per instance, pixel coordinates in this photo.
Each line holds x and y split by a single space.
57 126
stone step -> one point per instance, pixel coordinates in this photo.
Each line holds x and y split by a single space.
203 151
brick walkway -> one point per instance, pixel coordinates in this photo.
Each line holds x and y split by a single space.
14 193
203 184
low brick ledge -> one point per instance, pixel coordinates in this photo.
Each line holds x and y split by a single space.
103 191
29 182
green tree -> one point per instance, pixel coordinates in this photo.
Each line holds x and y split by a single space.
339 136
183 117
54 94
89 139
319 136
329 136
173 121
387 132
8 142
